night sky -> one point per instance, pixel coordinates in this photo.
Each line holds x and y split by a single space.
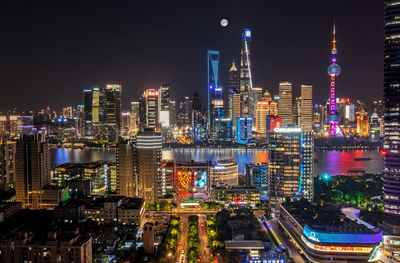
52 50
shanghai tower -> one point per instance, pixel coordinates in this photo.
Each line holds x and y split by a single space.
246 82
391 146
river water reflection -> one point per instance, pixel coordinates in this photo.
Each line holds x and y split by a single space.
331 162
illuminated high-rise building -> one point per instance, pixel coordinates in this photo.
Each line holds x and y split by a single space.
306 108
149 109
391 136
87 104
215 101
224 171
113 105
135 111
172 113
333 71
148 163
126 174
96 105
223 130
163 105
32 169
374 128
234 91
256 175
265 107
199 124
290 156
390 251
272 122
362 123
243 130
246 81
285 108
186 116
255 96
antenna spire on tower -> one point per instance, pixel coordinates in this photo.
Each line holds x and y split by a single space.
334 38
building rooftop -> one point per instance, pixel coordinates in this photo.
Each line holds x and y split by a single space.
244 244
132 203
326 219
6 205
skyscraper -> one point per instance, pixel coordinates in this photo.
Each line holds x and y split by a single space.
255 95
113 106
149 162
197 119
307 165
391 141
222 130
215 102
374 131
163 105
362 123
234 89
135 110
391 131
333 71
32 168
306 108
265 107
126 174
246 81
187 112
172 112
96 105
257 175
149 108
285 109
243 130
290 156
87 104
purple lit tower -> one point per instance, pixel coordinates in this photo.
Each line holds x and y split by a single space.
333 71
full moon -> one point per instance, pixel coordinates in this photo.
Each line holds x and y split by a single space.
224 22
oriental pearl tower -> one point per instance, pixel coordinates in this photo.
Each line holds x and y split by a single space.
333 71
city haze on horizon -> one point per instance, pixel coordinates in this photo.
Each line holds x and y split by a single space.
143 46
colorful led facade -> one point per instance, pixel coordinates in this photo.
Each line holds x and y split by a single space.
333 71
191 178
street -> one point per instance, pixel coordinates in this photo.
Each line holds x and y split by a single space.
293 252
183 237
204 250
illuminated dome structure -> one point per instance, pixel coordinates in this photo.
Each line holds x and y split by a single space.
334 69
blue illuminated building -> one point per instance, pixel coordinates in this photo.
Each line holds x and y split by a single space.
243 130
215 100
257 176
328 235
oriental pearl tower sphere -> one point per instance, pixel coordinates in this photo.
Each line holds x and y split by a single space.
333 71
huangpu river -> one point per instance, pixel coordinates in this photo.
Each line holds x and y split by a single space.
330 162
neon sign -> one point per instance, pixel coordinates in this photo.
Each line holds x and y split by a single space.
337 248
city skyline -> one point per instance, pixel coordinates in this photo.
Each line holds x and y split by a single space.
225 131
72 60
